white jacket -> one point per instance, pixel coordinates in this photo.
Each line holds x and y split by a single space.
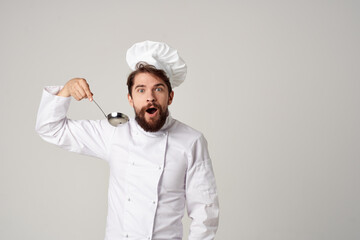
152 175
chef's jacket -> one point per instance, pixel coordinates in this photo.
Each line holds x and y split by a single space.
152 175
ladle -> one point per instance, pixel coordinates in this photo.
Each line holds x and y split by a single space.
114 118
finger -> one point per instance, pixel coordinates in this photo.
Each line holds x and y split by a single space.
88 94
85 86
75 92
80 92
78 95
74 95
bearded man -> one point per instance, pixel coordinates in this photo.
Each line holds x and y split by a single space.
158 165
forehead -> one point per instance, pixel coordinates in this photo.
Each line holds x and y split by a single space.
147 79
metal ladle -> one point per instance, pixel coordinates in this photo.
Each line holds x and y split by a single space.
114 118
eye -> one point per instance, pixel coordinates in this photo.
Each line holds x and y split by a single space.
141 90
159 89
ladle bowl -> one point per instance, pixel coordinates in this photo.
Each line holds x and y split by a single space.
114 118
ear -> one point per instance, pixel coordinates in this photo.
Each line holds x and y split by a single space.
131 101
171 97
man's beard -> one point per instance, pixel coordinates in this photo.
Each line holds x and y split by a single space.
153 125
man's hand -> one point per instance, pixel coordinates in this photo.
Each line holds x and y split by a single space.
78 88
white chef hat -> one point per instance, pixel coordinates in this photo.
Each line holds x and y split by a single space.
161 56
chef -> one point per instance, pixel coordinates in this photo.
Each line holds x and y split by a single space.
158 165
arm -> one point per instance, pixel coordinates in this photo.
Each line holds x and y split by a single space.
81 136
201 196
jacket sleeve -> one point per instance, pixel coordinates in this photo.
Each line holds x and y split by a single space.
201 194
90 137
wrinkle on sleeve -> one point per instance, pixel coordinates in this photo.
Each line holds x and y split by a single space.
201 193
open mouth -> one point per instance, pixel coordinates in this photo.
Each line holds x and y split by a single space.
151 110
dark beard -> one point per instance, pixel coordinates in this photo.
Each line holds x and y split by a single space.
151 126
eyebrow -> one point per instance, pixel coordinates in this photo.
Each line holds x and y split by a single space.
159 84
156 85
138 86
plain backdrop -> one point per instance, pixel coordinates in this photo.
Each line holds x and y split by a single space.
273 85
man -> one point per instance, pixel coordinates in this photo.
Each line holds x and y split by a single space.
158 165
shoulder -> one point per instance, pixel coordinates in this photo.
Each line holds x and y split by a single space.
179 127
192 140
186 134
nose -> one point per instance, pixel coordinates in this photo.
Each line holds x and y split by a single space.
151 97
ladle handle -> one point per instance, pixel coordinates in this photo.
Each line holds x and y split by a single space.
99 108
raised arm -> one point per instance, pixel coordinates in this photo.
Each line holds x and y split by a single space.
90 137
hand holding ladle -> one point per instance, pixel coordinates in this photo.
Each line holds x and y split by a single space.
79 89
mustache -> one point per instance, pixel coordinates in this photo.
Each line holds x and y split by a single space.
151 105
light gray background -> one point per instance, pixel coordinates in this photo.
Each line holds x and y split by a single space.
273 85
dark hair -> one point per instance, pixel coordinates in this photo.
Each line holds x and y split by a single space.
143 67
